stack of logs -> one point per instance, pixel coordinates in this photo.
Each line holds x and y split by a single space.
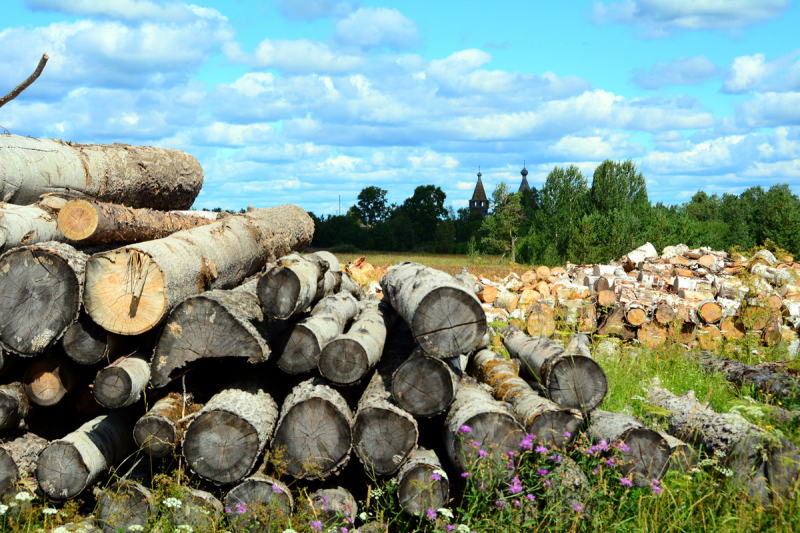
133 335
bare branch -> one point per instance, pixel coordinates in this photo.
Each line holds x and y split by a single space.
25 84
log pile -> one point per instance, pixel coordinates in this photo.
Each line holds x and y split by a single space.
130 329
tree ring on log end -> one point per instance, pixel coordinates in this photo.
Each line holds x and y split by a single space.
577 382
383 439
316 436
39 295
258 495
121 506
9 472
278 290
221 446
112 387
85 342
448 322
43 383
156 435
61 472
343 361
423 386
550 427
497 432
300 351
77 220
419 491
650 454
125 291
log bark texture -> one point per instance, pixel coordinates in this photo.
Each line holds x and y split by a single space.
224 441
69 465
315 430
648 453
26 224
571 381
350 356
136 176
302 344
158 432
445 317
417 490
14 405
491 424
18 454
121 384
262 495
551 424
47 381
217 323
132 289
91 221
765 377
384 435
41 287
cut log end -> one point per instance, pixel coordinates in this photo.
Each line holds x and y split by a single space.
650 454
77 220
156 435
278 291
123 505
112 387
449 322
419 491
85 342
423 386
490 429
577 382
125 292
46 382
555 428
383 439
61 471
221 446
343 361
300 352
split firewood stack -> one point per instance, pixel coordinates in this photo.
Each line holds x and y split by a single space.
131 332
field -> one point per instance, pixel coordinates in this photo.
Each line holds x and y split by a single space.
487 265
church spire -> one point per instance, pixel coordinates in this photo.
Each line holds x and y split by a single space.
479 201
524 185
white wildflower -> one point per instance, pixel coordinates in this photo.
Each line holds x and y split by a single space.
49 510
377 492
23 496
289 531
462 528
362 516
3 509
173 503
185 527
445 512
61 529
135 527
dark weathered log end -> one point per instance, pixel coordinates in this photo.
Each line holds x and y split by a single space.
383 439
344 361
221 446
556 428
577 382
448 322
299 351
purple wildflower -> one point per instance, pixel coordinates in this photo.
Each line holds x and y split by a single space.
526 443
596 470
481 485
604 445
530 497
228 510
577 508
465 429
543 472
431 514
277 490
482 453
450 527
500 503
546 482
466 475
626 482
556 458
541 449
436 477
240 508
516 486
656 489
343 529
589 452
567 435
517 503
610 462
476 444
510 454
624 447
316 525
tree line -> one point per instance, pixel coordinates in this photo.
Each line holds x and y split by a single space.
566 220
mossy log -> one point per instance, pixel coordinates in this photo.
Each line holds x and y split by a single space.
445 317
131 290
764 377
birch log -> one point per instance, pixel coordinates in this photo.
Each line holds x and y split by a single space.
259 495
217 323
18 454
91 221
41 287
14 405
132 289
417 488
225 439
158 432
551 424
26 224
350 356
315 430
136 176
300 347
290 287
445 317
69 465
648 454
491 424
122 383
571 381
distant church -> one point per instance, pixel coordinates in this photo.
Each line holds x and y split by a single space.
479 201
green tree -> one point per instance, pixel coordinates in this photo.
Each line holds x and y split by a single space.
425 208
372 206
619 186
502 225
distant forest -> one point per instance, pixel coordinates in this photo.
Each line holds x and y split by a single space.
566 220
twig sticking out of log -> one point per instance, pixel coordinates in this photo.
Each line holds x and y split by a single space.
124 504
258 494
491 424
315 430
290 287
157 432
131 290
47 381
41 287
121 384
445 317
218 323
331 504
224 441
426 386
18 453
383 434
350 356
14 405
417 490
27 83
648 453
571 381
764 378
302 344
26 224
539 416
136 176
90 221
69 465
741 443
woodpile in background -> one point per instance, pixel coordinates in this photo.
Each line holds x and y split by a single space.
131 332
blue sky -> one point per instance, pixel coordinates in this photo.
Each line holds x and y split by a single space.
287 101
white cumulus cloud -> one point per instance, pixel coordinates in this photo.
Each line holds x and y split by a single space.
373 27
